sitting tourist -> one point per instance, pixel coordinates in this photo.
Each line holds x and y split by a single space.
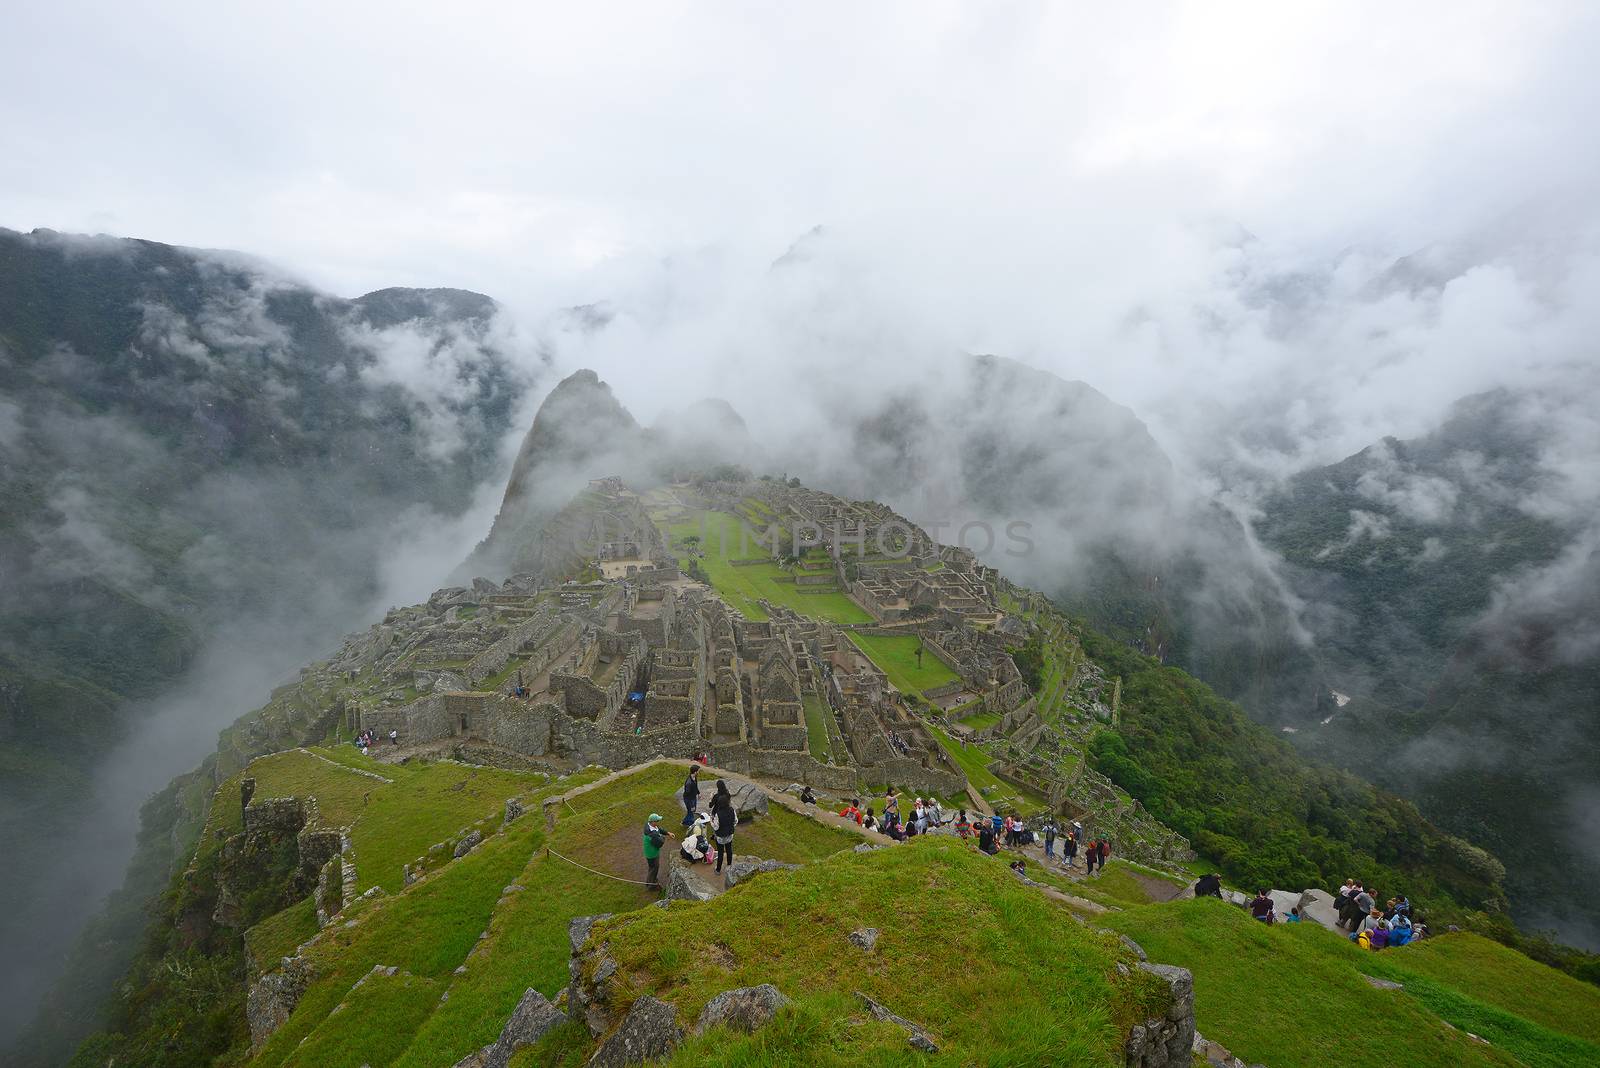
807 797
1262 908
1208 885
851 812
986 840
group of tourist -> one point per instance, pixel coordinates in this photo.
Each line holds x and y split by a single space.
1373 927
1367 924
369 738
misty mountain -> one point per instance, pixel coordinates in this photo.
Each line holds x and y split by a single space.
1452 596
580 429
195 448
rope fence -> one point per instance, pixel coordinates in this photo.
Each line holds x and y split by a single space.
591 871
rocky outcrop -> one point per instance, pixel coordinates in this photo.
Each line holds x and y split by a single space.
1165 1041
590 972
649 1031
273 997
533 1016
467 844
746 1008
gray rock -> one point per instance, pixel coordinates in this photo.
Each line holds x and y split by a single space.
1383 984
867 847
578 930
742 870
865 939
273 997
1167 1040
915 1036
743 1009
1319 906
533 1016
1138 950
467 844
649 1031
749 800
514 808
680 887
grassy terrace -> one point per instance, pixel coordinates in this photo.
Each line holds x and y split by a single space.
974 760
1295 994
818 739
725 538
944 911
896 657
432 928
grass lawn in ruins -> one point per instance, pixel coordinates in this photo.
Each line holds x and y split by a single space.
278 935
896 656
724 538
1294 994
958 935
817 740
974 760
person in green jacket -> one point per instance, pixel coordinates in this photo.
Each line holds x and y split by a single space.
654 839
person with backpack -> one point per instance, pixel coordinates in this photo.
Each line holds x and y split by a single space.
691 794
851 812
1049 830
654 839
1070 849
727 821
986 839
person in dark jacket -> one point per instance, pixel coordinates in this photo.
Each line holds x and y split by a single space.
691 794
1262 907
986 839
725 820
1209 885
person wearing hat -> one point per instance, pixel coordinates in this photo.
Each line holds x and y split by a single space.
654 839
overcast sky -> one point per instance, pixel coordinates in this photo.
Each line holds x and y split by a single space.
1184 206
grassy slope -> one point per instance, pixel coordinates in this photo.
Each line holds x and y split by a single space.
817 739
1295 995
958 935
526 943
724 540
896 657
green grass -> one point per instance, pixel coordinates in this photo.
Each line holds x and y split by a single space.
426 931
277 936
527 939
724 540
1293 994
1501 977
370 1025
974 760
1117 882
994 970
896 656
979 720
427 804
817 738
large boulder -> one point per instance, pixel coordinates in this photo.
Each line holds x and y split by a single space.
648 1032
749 800
743 1009
682 886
